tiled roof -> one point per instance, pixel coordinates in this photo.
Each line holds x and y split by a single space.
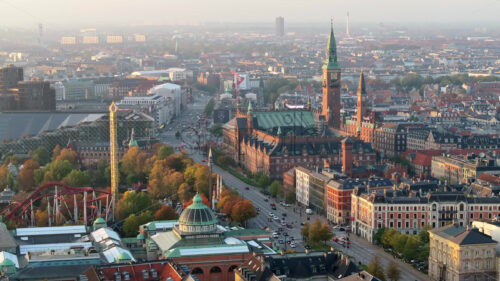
463 236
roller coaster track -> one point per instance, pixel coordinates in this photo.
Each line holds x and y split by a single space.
16 210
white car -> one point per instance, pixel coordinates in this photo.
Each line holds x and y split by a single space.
271 214
276 218
292 245
275 235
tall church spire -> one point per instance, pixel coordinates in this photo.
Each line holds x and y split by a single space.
331 52
361 85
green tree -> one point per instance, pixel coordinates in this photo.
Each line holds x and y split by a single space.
410 250
423 236
209 108
377 238
393 272
325 232
132 203
57 170
78 178
164 151
375 268
132 223
399 242
290 198
216 130
224 161
388 236
41 155
276 189
99 173
262 179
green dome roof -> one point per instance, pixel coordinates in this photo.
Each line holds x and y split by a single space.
197 214
123 257
99 220
140 236
7 262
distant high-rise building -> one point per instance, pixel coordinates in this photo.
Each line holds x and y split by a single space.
9 76
280 26
35 95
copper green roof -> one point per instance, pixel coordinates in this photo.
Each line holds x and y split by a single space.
7 262
250 108
331 52
99 220
123 257
197 214
273 119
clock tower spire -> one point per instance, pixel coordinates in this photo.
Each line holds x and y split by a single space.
331 84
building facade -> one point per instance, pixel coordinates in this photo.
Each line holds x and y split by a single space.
410 212
460 253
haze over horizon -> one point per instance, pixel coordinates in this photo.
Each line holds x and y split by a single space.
62 13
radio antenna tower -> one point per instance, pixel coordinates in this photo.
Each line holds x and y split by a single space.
347 26
113 142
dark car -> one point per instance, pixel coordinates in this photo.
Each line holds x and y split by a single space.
273 207
283 214
247 188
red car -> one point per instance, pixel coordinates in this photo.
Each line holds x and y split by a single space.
247 188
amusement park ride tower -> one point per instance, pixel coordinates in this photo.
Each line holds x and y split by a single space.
113 141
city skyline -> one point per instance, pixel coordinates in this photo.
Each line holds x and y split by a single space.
193 12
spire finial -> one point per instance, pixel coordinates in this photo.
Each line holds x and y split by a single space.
331 22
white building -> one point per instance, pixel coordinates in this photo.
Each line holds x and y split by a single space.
172 91
161 108
302 185
174 73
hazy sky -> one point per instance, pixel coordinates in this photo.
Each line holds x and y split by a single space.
138 12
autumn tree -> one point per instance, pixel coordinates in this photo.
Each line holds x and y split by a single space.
69 155
132 223
26 176
243 211
175 162
41 155
375 268
393 272
163 181
319 231
6 176
132 203
78 178
41 218
166 213
134 162
204 200
55 152
202 175
185 192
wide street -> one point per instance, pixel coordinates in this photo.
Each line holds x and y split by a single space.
359 250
